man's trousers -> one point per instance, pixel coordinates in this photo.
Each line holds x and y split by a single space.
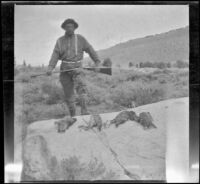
71 81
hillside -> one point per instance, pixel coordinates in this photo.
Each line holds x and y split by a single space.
141 151
165 47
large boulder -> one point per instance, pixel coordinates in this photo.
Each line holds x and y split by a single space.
38 163
141 152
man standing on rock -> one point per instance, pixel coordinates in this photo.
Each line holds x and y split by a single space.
69 48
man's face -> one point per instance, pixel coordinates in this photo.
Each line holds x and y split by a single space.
69 29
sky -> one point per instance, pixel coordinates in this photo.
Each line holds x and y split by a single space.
37 27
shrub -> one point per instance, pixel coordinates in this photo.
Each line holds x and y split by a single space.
158 71
162 81
134 76
44 95
183 73
96 94
31 93
138 92
36 112
161 65
52 111
148 64
30 98
130 64
167 71
54 91
168 65
23 77
181 64
150 77
139 76
29 114
178 91
16 71
73 169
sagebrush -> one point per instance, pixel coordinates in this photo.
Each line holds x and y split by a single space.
43 98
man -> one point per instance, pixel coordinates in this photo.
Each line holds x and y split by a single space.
69 48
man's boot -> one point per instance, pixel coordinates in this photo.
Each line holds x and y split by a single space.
83 105
72 109
72 112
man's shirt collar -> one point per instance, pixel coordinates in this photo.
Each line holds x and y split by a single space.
69 36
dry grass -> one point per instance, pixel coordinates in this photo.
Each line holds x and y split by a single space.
43 98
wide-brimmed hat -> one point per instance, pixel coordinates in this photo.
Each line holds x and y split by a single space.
69 21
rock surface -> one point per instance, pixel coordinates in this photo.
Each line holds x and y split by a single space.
38 162
141 151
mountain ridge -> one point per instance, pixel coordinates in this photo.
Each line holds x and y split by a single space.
164 47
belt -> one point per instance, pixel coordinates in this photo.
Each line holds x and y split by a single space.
71 62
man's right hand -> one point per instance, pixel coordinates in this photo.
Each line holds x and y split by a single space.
49 72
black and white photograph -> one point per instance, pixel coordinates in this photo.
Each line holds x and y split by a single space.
101 92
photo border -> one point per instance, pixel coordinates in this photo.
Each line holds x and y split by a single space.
8 74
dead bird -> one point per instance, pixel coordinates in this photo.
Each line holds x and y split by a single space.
146 120
105 125
63 124
96 121
121 118
133 116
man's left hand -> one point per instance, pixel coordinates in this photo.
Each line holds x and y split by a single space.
96 69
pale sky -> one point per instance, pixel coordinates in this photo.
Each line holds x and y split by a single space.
37 27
